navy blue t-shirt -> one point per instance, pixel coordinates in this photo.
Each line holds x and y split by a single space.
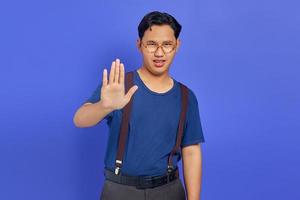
152 129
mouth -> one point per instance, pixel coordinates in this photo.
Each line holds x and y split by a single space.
159 62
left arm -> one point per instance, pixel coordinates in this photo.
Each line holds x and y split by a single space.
192 170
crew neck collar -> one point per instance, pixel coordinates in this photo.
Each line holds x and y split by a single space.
152 92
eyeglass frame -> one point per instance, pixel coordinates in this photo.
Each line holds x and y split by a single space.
158 46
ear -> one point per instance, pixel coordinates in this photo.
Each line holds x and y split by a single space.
138 44
178 44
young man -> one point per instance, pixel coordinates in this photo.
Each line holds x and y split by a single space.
153 124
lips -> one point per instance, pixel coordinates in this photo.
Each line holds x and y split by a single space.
159 63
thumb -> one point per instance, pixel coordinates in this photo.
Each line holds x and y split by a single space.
130 92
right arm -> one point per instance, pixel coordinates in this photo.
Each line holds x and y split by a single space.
90 114
112 97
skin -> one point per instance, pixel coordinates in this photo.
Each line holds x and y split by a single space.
192 170
112 97
157 79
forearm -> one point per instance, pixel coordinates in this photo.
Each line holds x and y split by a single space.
90 114
192 170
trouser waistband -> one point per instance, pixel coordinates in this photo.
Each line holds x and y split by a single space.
142 182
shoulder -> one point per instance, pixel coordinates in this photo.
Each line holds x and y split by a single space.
192 98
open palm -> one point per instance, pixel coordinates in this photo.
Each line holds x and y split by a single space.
113 90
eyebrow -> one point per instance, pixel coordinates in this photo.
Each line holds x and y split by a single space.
167 41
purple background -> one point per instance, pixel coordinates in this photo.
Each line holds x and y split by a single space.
241 58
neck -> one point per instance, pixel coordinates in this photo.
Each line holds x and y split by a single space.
156 79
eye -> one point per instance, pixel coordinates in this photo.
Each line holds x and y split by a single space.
152 44
168 44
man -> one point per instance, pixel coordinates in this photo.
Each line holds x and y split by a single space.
153 121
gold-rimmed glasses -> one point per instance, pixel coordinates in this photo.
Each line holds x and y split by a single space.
152 46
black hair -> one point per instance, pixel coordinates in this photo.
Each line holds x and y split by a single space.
158 18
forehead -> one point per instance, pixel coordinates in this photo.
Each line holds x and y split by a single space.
159 33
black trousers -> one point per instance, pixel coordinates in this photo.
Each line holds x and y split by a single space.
173 190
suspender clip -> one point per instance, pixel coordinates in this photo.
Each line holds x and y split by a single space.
117 170
118 166
170 168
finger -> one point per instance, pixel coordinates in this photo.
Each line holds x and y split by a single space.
117 73
130 92
116 78
104 77
122 73
112 73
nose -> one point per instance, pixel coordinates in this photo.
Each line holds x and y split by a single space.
159 52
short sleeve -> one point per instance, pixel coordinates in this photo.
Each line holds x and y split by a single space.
95 97
192 133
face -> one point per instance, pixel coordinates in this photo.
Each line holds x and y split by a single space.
158 62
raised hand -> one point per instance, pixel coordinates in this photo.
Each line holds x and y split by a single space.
113 90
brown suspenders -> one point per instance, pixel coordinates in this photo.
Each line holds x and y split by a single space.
125 122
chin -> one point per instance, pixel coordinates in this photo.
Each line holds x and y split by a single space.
159 70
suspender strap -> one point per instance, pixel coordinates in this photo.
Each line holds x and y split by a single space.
124 123
184 104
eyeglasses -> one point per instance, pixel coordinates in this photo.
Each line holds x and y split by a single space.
152 46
